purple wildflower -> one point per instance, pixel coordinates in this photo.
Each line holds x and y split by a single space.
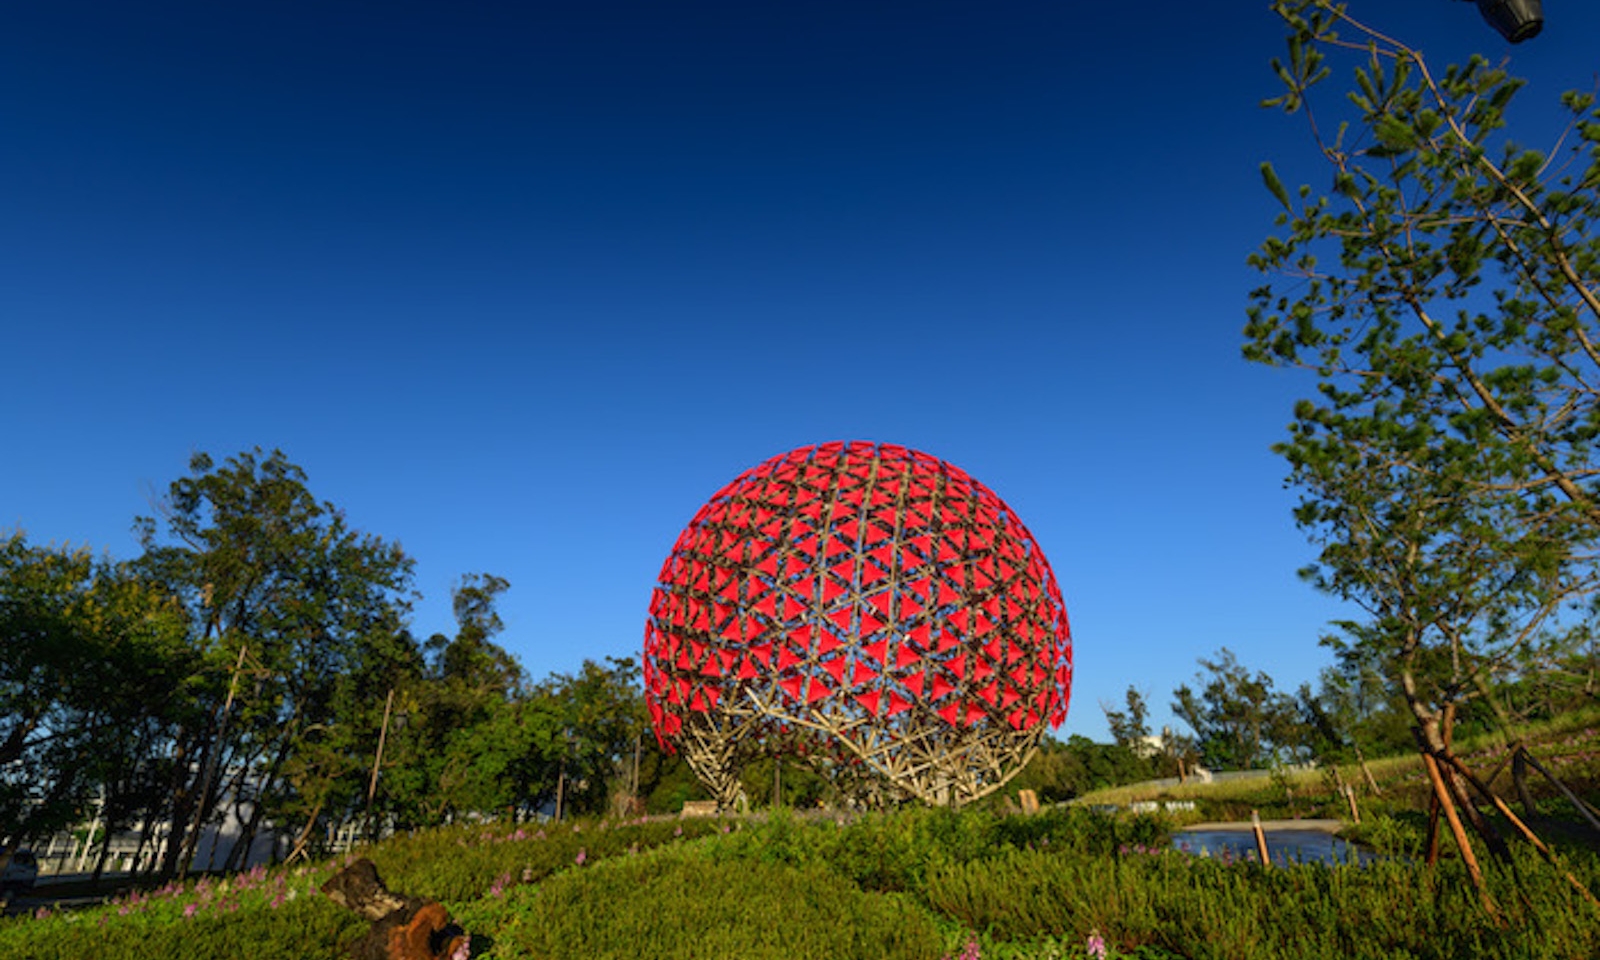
1095 946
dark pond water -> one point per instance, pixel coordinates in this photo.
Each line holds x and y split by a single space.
1283 846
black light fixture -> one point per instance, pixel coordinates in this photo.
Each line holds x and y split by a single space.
1516 20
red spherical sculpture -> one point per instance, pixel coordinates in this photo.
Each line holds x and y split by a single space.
867 605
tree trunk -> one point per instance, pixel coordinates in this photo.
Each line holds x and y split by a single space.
180 807
300 842
105 854
239 855
1434 732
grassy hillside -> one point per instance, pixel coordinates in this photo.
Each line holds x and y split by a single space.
918 884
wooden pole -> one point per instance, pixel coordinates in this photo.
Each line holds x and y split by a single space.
377 761
1261 838
1432 858
1372 782
1587 811
1447 805
1519 778
638 746
1544 851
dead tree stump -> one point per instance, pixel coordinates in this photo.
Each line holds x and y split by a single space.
403 928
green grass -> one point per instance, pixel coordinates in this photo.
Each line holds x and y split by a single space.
914 885
918 885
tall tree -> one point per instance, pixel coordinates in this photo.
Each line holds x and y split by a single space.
1239 719
468 725
96 664
286 600
1446 292
1130 727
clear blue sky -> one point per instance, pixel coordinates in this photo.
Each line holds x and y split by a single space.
520 285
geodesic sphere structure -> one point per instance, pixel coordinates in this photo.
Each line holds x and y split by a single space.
871 607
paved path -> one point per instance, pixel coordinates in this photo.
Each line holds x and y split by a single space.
1320 826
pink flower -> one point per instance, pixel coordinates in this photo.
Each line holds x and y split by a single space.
581 857
1095 946
463 949
190 911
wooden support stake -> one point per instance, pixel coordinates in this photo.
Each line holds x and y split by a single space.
1261 838
1519 778
1584 809
1544 851
1366 771
1432 858
1448 806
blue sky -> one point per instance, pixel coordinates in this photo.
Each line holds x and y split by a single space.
521 285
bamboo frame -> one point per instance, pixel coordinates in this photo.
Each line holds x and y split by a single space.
872 606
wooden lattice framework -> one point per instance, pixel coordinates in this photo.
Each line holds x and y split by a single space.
863 605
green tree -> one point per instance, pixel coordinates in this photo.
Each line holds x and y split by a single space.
1239 719
604 724
464 724
96 669
288 603
1130 727
1445 291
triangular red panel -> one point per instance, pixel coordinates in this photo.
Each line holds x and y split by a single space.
863 675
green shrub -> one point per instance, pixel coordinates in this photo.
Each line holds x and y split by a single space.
280 913
686 903
261 915
466 862
1202 909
